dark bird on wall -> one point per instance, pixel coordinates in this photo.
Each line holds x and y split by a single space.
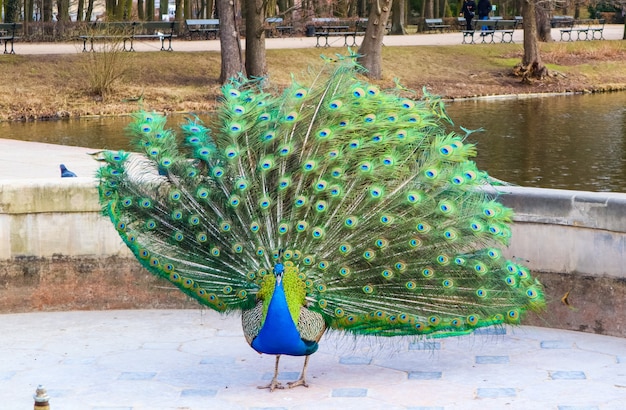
335 205
66 173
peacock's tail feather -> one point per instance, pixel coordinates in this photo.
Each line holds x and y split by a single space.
363 192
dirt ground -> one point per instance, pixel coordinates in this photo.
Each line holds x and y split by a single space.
60 86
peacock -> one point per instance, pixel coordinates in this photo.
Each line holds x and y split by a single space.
334 205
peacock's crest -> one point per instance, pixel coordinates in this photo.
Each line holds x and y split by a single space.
364 195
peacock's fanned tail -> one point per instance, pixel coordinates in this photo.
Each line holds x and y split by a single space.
364 192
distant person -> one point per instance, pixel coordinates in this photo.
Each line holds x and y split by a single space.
484 8
468 10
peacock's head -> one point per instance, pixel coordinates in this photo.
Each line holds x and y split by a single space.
279 269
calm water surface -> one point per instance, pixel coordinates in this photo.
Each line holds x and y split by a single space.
569 142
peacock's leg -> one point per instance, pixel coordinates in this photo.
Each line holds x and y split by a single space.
274 384
301 381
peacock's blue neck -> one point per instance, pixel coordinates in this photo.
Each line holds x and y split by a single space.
279 334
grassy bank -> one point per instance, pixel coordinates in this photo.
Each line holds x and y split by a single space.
58 86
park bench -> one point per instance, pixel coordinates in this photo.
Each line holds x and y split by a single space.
275 27
128 31
204 27
461 23
107 31
505 28
163 30
7 34
586 27
596 27
561 21
435 25
488 29
332 27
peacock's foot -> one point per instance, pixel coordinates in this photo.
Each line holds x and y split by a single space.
274 384
299 382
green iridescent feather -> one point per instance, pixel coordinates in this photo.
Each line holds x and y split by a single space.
376 205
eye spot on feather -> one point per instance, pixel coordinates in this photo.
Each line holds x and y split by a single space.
178 236
428 273
215 252
376 192
292 116
472 320
324 133
369 254
532 293
381 243
351 222
201 237
368 289
344 271
265 203
410 285
446 150
407 104
317 233
300 93
269 136
345 248
335 105
254 227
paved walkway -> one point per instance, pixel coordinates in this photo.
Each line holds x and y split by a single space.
611 32
195 360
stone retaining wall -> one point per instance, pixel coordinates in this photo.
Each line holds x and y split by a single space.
59 252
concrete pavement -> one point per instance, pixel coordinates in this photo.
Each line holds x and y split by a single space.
195 359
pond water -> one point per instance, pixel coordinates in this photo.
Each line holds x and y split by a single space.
567 142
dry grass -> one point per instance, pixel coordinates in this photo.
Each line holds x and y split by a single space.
57 86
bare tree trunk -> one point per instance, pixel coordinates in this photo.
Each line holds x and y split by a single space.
544 30
163 7
255 39
140 10
79 12
150 10
429 11
47 10
371 49
180 6
89 10
398 17
532 66
230 44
